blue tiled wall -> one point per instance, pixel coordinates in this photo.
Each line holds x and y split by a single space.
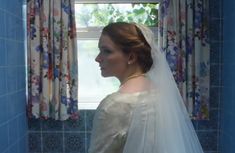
228 105
13 125
209 131
61 137
71 136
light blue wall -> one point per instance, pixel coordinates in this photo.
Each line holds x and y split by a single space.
13 125
228 105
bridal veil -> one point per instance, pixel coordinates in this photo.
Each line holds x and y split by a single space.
167 127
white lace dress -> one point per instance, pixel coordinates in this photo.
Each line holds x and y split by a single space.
112 120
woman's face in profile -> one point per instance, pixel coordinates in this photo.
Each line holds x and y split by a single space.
111 59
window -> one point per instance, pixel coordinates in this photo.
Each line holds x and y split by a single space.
90 19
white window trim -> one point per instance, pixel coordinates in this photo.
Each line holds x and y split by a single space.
95 32
89 33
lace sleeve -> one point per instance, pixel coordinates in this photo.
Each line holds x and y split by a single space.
109 128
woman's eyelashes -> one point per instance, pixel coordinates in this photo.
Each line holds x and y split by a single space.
105 51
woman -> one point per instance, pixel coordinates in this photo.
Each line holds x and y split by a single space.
146 114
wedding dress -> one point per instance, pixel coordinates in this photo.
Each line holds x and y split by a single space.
152 121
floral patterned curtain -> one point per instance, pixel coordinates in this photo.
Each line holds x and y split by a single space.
52 59
183 35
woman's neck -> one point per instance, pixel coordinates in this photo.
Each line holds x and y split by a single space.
132 76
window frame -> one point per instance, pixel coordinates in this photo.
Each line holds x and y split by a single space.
93 33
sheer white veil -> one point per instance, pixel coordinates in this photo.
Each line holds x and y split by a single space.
163 124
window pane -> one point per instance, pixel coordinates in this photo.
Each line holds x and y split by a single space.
92 87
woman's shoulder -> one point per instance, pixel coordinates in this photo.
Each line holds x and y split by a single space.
121 105
126 97
121 99
118 102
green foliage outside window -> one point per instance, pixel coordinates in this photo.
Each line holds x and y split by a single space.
96 15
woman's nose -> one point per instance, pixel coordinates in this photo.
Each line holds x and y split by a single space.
97 59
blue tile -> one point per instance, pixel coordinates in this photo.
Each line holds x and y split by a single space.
4 137
12 53
18 8
17 53
34 142
3 52
21 53
229 34
22 125
227 123
11 79
227 144
208 140
11 26
212 123
215 52
228 99
2 25
7 151
13 148
215 9
232 143
3 112
34 124
88 139
20 102
215 30
215 94
228 74
23 100
3 80
75 125
3 5
89 119
13 131
228 54
232 134
74 142
222 120
19 30
195 124
52 125
11 105
52 142
229 10
21 79
215 74
225 76
22 145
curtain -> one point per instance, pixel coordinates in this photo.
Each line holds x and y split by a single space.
52 59
183 35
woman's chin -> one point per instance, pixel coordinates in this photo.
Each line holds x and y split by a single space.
105 74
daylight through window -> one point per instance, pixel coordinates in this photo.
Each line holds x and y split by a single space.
90 19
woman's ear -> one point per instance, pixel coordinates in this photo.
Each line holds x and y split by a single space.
132 58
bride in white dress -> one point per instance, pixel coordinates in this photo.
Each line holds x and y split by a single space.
147 113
